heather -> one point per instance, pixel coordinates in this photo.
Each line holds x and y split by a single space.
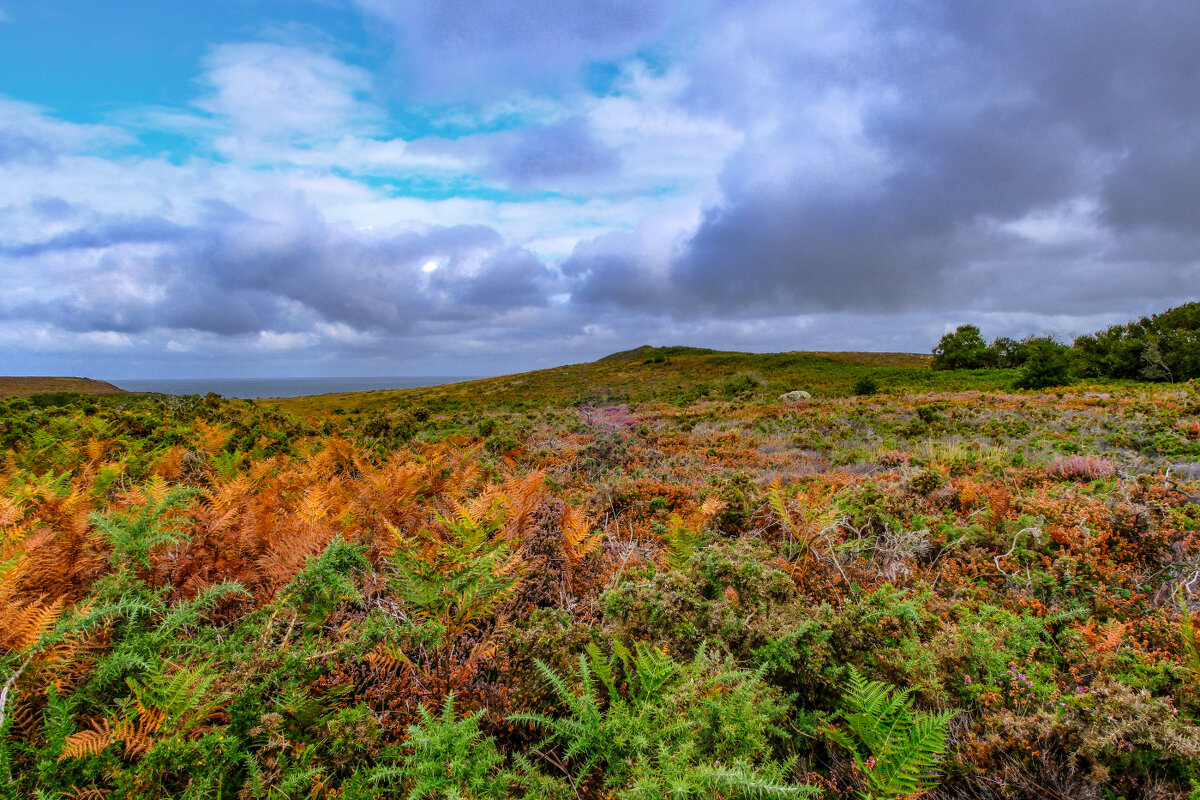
646 577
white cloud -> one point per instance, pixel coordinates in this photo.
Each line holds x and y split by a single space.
270 90
28 134
273 340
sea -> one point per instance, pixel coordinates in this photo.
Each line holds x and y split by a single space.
278 387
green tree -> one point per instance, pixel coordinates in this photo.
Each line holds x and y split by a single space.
1006 353
1047 363
1162 347
963 349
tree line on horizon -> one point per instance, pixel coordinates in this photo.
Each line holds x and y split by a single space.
1162 347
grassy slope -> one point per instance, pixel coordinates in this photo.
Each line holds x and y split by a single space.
634 376
22 386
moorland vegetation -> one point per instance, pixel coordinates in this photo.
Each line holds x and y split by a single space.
645 577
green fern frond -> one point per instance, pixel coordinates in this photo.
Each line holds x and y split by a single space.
680 542
775 499
674 730
183 694
1187 630
603 667
653 671
896 748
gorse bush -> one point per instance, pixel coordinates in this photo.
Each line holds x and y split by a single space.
328 579
447 757
866 386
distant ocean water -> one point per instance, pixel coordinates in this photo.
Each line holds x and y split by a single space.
279 387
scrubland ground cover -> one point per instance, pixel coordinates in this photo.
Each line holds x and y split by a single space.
642 578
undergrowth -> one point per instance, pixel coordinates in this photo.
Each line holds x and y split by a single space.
650 587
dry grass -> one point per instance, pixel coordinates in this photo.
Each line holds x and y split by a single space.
23 386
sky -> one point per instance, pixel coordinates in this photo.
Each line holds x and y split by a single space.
271 188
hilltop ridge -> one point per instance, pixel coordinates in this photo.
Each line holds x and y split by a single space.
672 374
650 351
20 386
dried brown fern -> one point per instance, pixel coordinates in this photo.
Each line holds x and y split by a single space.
60 563
210 438
23 626
136 734
293 544
580 537
393 497
520 498
69 660
1103 640
317 502
10 512
170 465
451 470
95 448
86 743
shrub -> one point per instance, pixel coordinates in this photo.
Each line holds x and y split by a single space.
741 385
1106 735
927 481
328 579
1047 364
740 495
866 386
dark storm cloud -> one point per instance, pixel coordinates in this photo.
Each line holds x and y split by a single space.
235 273
550 154
979 114
608 271
1124 76
107 234
510 278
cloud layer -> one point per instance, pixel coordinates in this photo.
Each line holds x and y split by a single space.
506 186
